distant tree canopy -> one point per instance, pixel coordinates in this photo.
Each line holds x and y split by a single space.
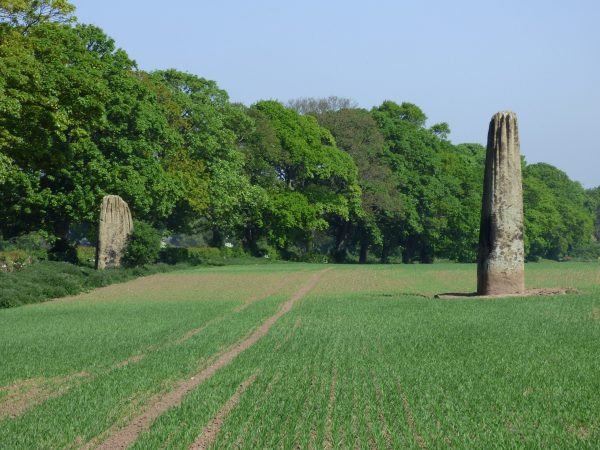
439 187
316 178
557 218
23 14
209 161
593 205
312 105
308 180
357 133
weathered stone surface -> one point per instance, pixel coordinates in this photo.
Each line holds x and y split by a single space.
500 264
115 227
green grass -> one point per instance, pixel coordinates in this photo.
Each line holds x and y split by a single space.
47 280
368 358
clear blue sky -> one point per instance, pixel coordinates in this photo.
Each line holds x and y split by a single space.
460 61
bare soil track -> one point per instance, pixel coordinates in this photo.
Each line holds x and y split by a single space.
330 406
127 435
209 433
24 395
18 398
410 419
526 293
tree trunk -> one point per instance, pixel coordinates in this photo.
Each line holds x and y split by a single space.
341 241
385 253
217 238
364 249
62 250
250 240
405 256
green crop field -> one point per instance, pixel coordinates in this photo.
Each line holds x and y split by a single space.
306 356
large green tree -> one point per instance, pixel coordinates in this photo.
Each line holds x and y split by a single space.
593 203
318 106
414 157
24 14
461 171
439 187
557 218
309 181
217 191
78 123
357 133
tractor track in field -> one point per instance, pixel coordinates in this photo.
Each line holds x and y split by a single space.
382 421
285 281
329 443
287 337
246 303
410 420
128 434
305 407
209 433
354 421
23 395
240 442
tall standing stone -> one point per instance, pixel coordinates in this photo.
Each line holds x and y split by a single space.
115 227
500 263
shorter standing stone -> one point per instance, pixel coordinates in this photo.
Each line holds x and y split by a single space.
500 265
115 227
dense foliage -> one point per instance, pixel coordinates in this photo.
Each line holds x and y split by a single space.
143 246
319 178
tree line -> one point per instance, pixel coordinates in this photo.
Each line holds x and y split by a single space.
311 179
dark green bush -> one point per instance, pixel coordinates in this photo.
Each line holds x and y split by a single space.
587 252
202 255
63 250
233 252
15 260
34 242
86 255
263 249
21 251
174 255
143 246
313 257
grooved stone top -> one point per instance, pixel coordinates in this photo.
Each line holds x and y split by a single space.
114 228
500 265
